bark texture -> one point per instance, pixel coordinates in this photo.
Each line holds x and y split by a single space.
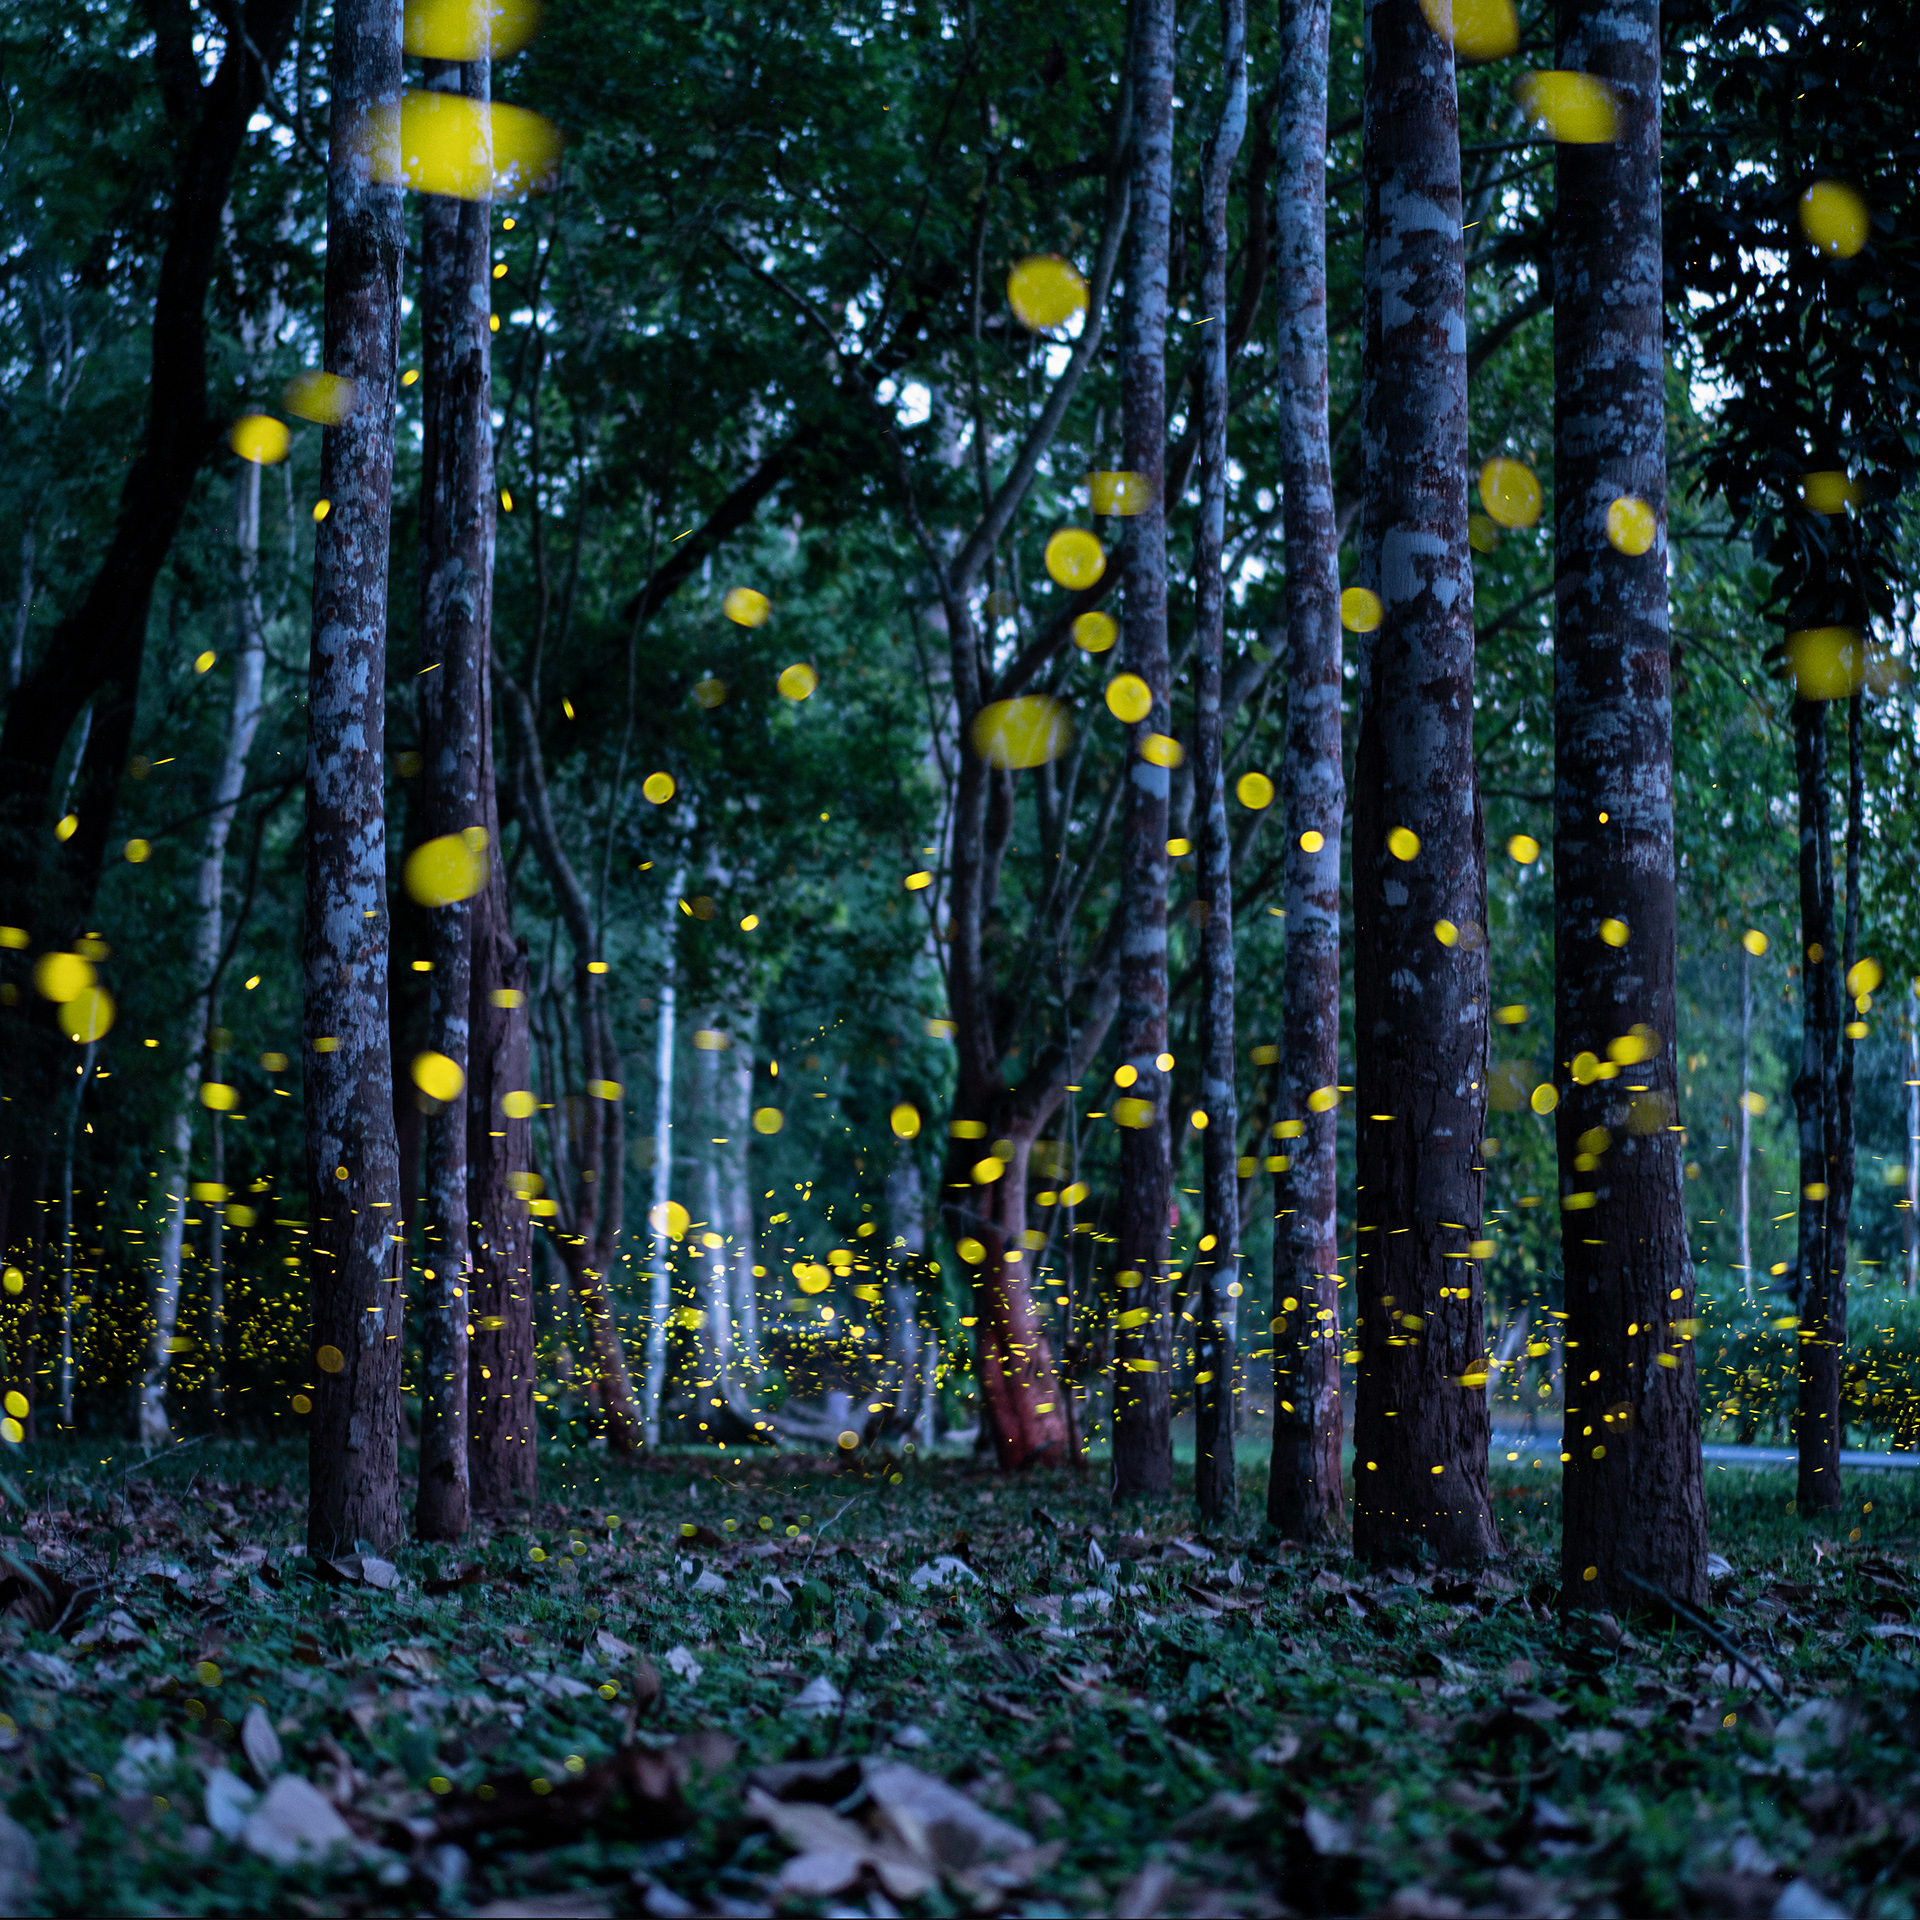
456 595
1304 1496
243 721
356 1250
1419 858
1635 1506
1217 1270
1143 1343
1822 1094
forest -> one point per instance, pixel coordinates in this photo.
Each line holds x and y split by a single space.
1146 648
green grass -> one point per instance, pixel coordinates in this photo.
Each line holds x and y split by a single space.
1323 1742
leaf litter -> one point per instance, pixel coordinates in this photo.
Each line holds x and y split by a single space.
958 1701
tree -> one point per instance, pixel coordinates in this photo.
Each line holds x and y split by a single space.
1304 1496
1419 858
1634 1506
1218 1267
356 1253
456 605
1143 1344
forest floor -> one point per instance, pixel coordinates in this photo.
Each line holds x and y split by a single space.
797 1685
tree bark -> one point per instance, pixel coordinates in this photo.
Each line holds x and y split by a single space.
1421 1428
357 1254
1824 1095
1215 1485
1746 1122
1143 1347
660 1255
243 721
456 594
1635 1507
502 1438
1304 1496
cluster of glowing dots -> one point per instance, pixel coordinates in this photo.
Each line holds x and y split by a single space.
83 1008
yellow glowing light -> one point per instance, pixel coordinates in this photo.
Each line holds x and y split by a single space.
1573 108
66 827
329 1359
1361 610
1323 1099
218 1098
16 1404
138 852
1834 218
1524 849
260 438
438 1077
1129 698
59 977
324 398
1403 843
668 1217
410 377
1482 535
1132 1112
1162 750
1254 791
1514 1016
970 1250
768 1120
321 508
467 149
1828 663
1631 525
918 882
748 922
203 662
987 1171
1095 633
1545 1098
468 29
1476 29
1179 849
1446 933
1864 976
746 606
1074 558
1614 932
453 867
797 682
518 1105
506 997
905 1121
87 1016
1045 292
1510 493
659 788
1828 492
1024 732
1120 494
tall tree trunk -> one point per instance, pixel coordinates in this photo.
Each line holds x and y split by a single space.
740 1224
1143 1348
1913 1150
243 721
1746 1120
1635 1506
660 1254
1821 1264
1421 1427
1214 1484
356 1252
456 594
66 1243
696 1380
1304 1496
502 1439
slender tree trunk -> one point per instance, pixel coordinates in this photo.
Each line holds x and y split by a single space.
660 1262
502 1439
456 591
1143 1348
1746 1122
66 1243
1421 1426
356 1252
243 722
737 1221
696 1389
1634 1502
1304 1496
1913 1150
22 609
1214 1483
1816 1093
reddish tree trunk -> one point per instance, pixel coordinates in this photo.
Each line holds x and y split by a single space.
456 592
1634 1504
1421 1428
1304 1497
1215 1486
356 1250
1143 1344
